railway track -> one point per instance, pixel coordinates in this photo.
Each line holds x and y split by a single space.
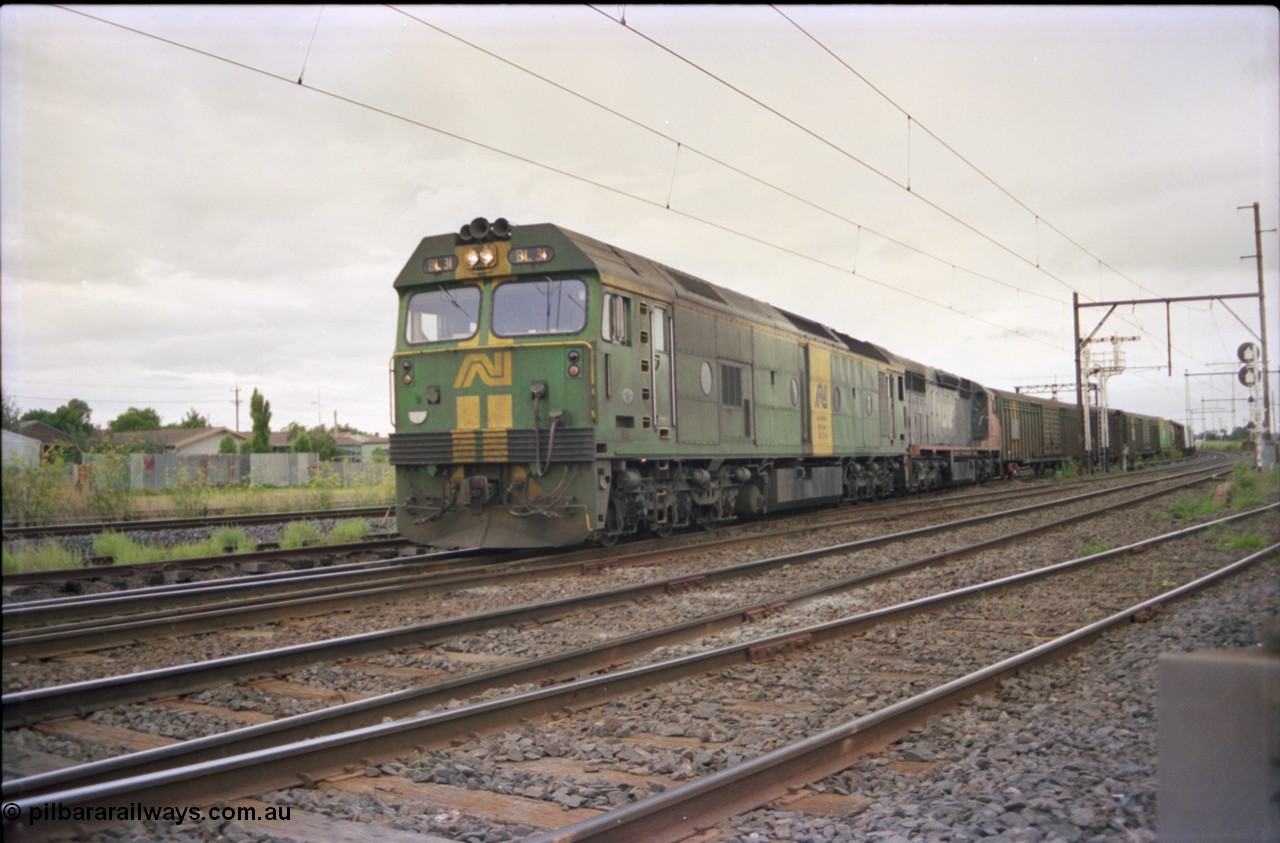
176 570
39 629
12 532
206 673
578 695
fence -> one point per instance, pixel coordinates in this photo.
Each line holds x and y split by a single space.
151 472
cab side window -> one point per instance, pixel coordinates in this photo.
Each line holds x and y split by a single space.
615 321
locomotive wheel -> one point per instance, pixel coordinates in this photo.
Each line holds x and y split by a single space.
708 517
612 525
662 526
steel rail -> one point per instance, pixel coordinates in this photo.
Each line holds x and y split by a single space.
25 707
185 619
67 614
560 667
668 816
146 524
698 805
93 572
237 559
16 614
911 504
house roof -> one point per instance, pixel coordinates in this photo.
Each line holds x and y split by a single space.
44 432
342 440
174 438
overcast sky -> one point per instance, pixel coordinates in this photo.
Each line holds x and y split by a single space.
200 199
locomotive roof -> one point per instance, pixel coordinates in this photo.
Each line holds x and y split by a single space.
672 283
675 284
931 374
575 251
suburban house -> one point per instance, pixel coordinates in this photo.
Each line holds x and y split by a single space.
49 437
179 440
352 447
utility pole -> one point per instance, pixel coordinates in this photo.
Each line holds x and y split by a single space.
1076 307
237 403
1262 318
1083 444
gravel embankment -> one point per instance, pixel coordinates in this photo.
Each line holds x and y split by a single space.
1064 754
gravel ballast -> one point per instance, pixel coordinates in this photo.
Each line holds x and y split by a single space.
1064 754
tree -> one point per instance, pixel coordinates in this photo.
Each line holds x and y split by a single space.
227 445
133 419
301 444
72 418
12 415
260 412
324 444
193 421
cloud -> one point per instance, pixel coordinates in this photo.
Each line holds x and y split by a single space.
174 219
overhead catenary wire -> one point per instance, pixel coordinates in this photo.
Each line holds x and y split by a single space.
911 120
562 172
902 185
684 146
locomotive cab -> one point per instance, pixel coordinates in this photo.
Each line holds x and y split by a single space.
493 383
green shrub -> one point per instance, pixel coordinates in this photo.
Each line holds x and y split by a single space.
349 531
43 494
125 551
237 540
1068 470
49 556
1195 507
189 493
109 495
1243 541
299 534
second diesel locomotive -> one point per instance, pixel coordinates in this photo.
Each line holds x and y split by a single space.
549 389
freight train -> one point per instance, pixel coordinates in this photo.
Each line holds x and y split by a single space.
550 389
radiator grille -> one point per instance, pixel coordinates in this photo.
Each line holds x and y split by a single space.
572 444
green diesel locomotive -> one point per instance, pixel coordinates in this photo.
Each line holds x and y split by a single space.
550 389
